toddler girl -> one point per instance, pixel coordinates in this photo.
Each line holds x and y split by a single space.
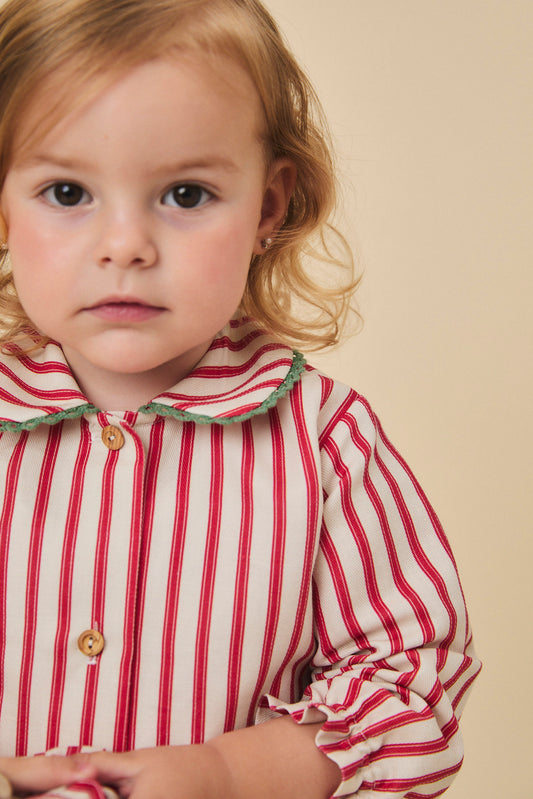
217 576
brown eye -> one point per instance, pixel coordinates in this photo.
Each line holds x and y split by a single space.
66 194
186 195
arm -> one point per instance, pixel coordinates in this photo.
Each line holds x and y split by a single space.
394 659
275 759
278 758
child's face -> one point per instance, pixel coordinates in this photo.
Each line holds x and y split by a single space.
132 223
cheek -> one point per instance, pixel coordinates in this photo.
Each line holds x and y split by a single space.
28 245
35 293
225 253
31 273
36 273
226 272
39 258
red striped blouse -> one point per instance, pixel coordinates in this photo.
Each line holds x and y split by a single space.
247 544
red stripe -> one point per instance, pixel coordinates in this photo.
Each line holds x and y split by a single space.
174 583
416 547
326 386
5 396
458 675
419 609
340 412
227 343
241 321
208 582
388 723
32 585
342 593
324 640
217 372
450 729
238 370
435 794
64 395
279 532
65 586
88 789
191 400
47 367
465 687
418 552
361 541
241 582
138 556
11 483
423 498
312 528
421 749
402 787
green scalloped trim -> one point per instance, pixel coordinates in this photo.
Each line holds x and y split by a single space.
293 376
52 418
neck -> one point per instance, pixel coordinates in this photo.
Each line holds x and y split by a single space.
125 393
128 391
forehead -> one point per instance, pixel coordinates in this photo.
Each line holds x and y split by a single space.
184 95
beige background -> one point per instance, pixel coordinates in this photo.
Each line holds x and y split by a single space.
431 105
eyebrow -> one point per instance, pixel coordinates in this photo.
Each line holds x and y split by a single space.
216 161
52 160
207 162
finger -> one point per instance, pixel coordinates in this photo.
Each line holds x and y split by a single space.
115 768
5 788
33 774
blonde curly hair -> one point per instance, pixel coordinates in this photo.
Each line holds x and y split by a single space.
80 46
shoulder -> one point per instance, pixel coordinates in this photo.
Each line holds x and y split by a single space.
338 406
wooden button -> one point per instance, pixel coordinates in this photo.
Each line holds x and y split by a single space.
113 437
91 642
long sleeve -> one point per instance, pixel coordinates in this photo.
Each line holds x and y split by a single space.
394 656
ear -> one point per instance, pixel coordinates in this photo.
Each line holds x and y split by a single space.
279 187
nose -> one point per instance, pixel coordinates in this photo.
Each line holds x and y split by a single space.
125 241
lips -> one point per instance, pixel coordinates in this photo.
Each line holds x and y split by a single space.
124 309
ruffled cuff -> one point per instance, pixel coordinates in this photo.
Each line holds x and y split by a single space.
339 739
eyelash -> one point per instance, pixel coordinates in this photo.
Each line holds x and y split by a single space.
192 195
50 194
200 195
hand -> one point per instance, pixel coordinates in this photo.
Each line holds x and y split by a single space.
39 774
166 772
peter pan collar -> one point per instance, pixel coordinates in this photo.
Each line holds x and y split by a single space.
244 373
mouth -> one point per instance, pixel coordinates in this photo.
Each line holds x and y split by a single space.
125 309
